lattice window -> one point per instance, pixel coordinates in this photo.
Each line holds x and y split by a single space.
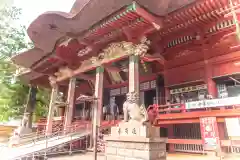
222 91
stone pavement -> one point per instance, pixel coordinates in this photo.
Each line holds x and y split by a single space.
177 156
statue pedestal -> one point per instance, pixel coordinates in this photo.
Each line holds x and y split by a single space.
133 141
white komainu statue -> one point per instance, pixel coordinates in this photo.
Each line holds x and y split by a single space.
132 110
20 131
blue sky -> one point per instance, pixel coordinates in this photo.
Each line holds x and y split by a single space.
31 9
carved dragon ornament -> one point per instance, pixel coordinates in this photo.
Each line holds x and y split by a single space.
113 51
117 50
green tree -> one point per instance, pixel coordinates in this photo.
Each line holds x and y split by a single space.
14 94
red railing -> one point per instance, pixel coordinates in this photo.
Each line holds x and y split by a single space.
154 110
208 104
168 108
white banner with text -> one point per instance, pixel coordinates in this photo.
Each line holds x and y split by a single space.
230 101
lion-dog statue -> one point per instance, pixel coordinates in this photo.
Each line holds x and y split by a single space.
132 110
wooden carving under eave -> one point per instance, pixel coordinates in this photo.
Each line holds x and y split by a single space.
113 52
154 57
52 81
64 72
184 53
142 48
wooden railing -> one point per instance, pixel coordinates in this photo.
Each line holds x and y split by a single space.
57 123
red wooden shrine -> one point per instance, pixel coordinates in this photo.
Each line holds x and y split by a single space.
194 51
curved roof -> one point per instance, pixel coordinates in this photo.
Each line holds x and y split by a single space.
50 27
28 58
27 76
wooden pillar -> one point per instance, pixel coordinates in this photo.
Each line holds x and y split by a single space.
211 85
160 89
161 96
171 136
71 103
142 97
31 104
84 111
134 74
167 94
221 130
166 89
99 94
51 109
157 95
97 106
158 99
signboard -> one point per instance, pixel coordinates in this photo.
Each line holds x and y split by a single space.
115 92
143 86
124 90
188 89
209 132
213 103
233 127
153 84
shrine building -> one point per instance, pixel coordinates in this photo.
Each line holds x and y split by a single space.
180 57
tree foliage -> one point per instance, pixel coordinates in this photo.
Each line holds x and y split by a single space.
13 94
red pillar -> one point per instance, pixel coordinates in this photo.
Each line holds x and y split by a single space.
221 131
166 89
167 94
171 136
211 85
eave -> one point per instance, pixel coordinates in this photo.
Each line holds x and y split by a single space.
129 19
28 75
40 29
28 58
